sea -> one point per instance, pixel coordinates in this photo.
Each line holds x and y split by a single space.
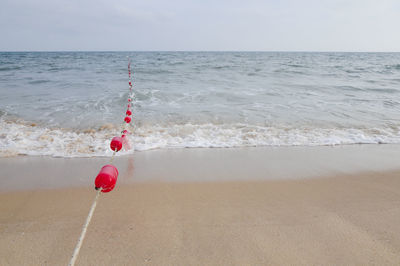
70 104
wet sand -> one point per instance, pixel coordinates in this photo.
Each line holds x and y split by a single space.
200 165
255 216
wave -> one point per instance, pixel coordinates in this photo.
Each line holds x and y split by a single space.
40 81
22 138
10 68
395 66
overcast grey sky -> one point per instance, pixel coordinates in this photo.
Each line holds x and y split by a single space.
245 25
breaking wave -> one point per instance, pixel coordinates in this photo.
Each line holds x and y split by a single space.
22 138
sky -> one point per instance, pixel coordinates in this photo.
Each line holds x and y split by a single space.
203 25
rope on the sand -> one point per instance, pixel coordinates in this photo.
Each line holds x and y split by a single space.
107 177
84 228
112 157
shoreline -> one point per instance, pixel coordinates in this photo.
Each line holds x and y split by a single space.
200 165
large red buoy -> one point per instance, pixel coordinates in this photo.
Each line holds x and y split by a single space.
116 144
128 112
127 119
106 178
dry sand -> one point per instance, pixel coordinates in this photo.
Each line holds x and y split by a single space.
345 219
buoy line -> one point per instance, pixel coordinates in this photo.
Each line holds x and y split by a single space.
107 177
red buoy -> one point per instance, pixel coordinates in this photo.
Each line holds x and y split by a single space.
128 112
130 83
116 144
129 105
106 178
129 100
127 119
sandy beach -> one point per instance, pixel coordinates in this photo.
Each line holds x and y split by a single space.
283 206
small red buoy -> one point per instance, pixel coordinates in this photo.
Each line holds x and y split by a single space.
128 112
130 83
129 100
127 119
106 178
129 105
116 144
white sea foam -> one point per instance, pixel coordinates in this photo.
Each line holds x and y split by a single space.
18 138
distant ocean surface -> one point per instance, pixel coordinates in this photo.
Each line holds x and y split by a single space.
70 104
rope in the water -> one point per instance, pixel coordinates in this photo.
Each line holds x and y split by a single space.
94 204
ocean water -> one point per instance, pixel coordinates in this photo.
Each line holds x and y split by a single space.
70 104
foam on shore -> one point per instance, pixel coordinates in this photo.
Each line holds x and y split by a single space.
23 138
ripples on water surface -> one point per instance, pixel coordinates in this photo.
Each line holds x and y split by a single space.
75 100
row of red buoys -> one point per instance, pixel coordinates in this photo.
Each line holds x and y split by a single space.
107 177
128 113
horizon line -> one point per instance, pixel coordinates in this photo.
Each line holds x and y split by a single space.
204 51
